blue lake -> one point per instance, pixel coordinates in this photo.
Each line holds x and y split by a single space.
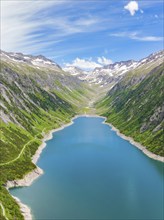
91 173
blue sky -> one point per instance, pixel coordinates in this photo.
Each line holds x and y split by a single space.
82 32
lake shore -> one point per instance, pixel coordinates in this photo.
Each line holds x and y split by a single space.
136 144
130 139
32 176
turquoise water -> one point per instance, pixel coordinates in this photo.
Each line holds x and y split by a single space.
91 173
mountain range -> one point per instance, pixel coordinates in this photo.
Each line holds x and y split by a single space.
37 95
112 73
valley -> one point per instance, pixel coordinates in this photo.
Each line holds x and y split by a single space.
37 95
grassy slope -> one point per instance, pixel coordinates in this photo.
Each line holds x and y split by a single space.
133 109
43 99
33 110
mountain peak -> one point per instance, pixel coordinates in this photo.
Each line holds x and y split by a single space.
38 60
111 73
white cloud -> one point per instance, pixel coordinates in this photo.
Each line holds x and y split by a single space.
21 21
89 64
132 7
84 64
104 61
18 25
147 38
137 36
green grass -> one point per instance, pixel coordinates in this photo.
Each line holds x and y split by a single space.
40 100
23 165
130 108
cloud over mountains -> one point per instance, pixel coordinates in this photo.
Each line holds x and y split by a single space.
89 64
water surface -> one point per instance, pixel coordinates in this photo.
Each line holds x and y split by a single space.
91 173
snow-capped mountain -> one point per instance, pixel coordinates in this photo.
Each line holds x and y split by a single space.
112 73
116 69
106 75
73 70
39 60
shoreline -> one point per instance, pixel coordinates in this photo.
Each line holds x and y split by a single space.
30 177
129 139
135 144
37 172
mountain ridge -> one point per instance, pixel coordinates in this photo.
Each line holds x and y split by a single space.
37 95
135 106
38 60
111 73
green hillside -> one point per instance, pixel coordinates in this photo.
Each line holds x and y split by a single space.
33 102
38 97
135 106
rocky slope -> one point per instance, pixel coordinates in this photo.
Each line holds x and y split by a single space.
36 96
35 92
135 106
38 61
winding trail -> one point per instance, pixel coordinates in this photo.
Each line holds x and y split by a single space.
3 211
21 152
